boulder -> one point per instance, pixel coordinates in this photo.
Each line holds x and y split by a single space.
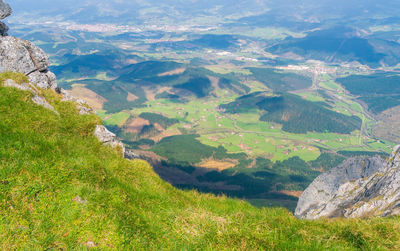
108 138
3 29
43 80
360 187
22 56
129 154
5 9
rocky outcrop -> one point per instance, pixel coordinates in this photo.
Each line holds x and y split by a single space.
3 29
129 154
108 138
360 187
18 55
22 56
5 11
82 105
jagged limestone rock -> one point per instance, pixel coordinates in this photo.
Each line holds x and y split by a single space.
22 56
82 105
44 80
360 187
3 29
129 154
108 138
5 9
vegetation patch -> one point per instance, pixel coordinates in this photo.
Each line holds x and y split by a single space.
19 78
93 99
154 118
295 114
379 91
280 81
200 86
217 164
183 148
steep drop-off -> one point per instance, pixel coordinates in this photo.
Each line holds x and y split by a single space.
360 187
61 188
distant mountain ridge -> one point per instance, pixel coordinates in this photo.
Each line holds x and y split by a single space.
341 44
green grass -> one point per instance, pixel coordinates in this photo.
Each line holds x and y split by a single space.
116 119
17 77
47 160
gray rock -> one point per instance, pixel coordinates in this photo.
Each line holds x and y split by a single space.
84 110
23 86
22 56
42 102
79 200
360 187
43 80
3 29
5 9
129 154
108 138
82 105
65 96
39 100
38 56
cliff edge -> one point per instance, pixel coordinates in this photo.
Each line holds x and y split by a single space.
360 187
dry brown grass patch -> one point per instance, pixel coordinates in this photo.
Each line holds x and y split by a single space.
292 193
136 125
93 99
218 164
131 97
173 72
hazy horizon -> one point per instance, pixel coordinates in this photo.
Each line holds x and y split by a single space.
121 11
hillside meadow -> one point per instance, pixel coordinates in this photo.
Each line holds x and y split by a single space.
61 189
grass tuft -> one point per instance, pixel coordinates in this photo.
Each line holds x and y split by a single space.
19 78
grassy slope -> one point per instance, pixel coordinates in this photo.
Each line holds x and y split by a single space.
47 160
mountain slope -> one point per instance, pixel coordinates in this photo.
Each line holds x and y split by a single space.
360 187
61 188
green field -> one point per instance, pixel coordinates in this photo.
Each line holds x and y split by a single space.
260 138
